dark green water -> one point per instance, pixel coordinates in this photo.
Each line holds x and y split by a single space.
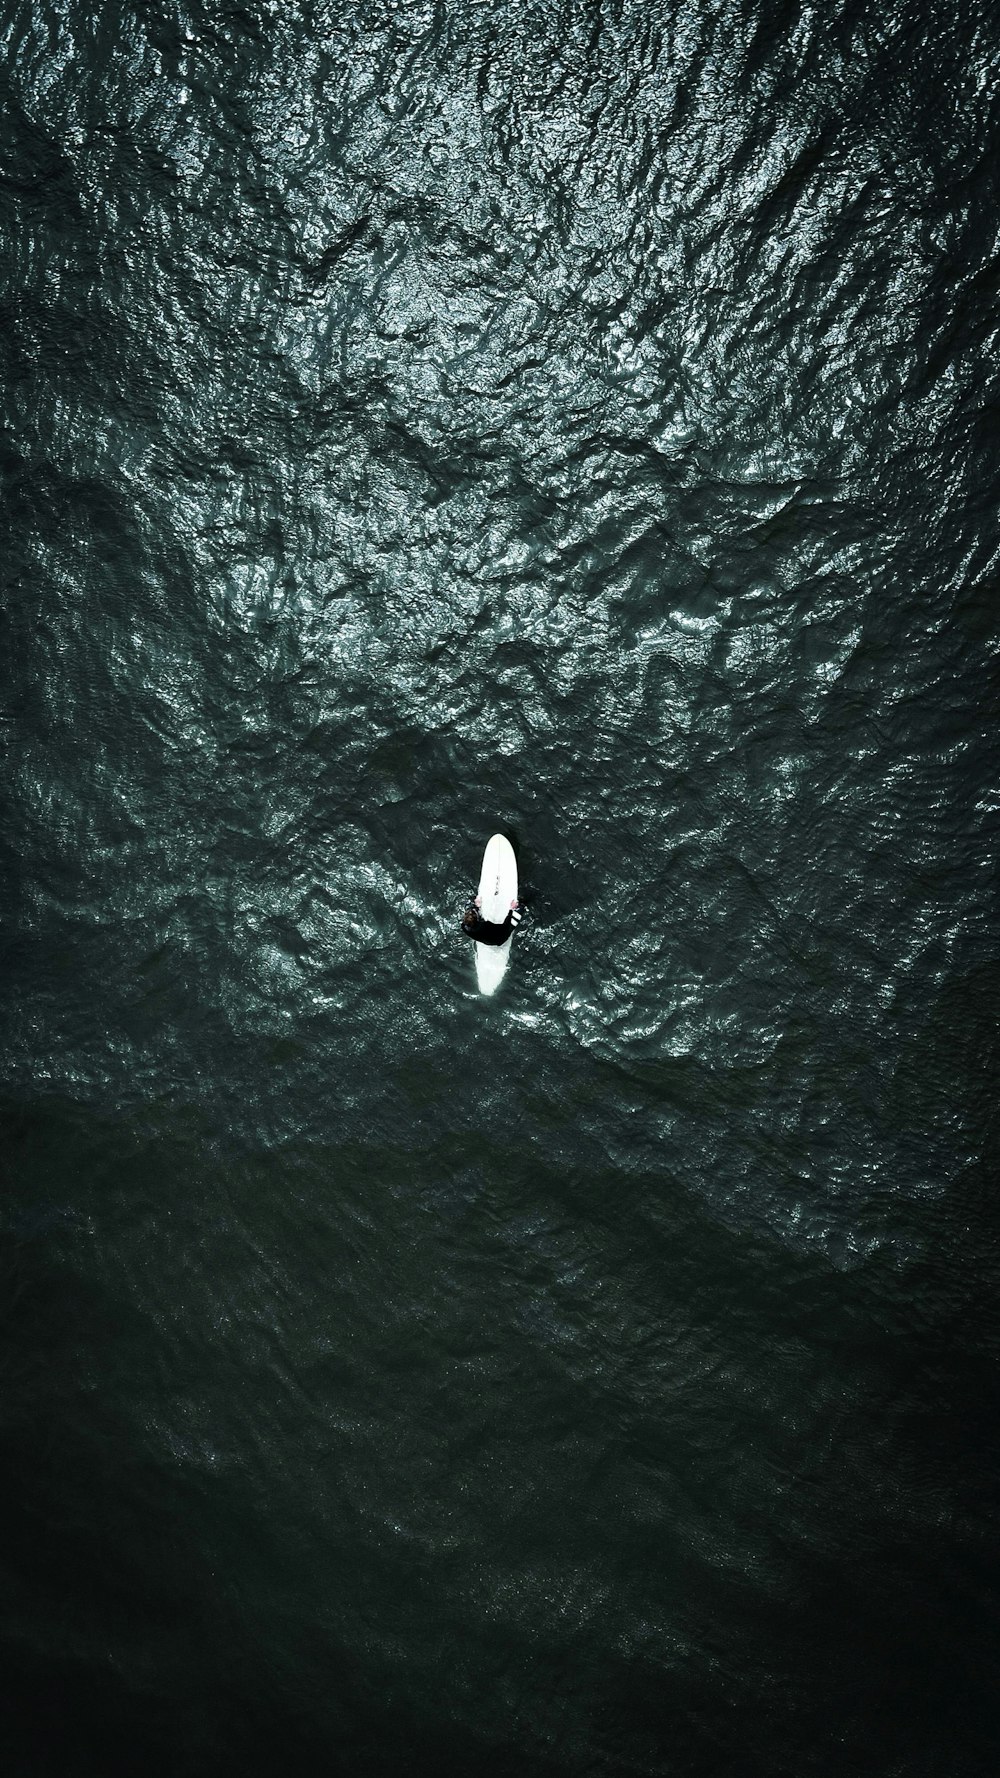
580 420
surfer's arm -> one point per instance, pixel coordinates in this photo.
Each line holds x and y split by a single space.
511 919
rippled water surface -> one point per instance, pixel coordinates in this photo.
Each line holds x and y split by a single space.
578 420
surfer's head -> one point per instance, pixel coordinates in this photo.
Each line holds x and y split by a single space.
469 919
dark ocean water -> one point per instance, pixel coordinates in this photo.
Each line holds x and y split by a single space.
581 420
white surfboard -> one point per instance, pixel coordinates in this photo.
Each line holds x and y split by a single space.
497 889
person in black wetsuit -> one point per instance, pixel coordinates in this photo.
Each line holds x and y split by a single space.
488 932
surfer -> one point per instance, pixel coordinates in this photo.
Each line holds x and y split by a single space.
489 932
